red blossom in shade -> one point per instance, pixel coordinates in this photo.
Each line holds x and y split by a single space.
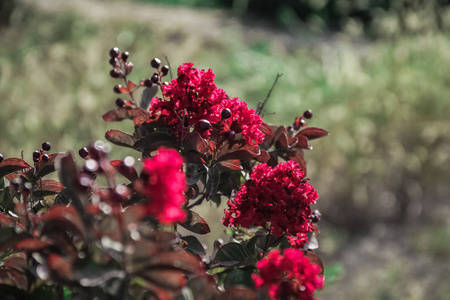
164 186
290 274
243 120
279 196
194 96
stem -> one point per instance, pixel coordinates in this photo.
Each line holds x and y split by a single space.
170 68
123 290
260 107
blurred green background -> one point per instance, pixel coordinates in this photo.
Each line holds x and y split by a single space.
375 73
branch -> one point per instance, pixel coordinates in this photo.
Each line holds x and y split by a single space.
170 68
260 107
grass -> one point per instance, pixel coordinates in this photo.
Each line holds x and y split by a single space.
385 103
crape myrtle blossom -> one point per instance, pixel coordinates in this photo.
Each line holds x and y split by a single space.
288 275
164 186
194 96
278 196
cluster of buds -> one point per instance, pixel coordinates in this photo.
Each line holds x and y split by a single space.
225 114
158 75
118 61
300 122
40 156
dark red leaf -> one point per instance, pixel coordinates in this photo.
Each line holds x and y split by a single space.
140 116
238 293
194 141
13 277
313 133
124 90
115 115
133 214
302 142
181 260
9 237
193 157
195 223
282 140
47 167
48 187
128 172
237 150
12 176
295 154
153 141
16 261
130 85
166 279
6 221
233 164
279 131
10 165
193 245
313 258
58 265
266 130
263 157
122 113
67 215
119 138
31 244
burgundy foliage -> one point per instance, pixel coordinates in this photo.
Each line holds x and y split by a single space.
117 238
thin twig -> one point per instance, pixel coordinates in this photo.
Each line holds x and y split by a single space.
260 107
170 68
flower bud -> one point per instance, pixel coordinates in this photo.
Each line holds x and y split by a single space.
114 52
308 114
204 125
226 114
155 63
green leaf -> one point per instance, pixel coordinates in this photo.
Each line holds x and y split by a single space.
238 278
67 293
193 245
232 254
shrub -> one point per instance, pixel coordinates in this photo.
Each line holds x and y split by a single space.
89 236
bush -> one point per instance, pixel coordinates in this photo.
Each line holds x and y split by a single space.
89 236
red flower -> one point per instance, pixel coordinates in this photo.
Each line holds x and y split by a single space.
164 186
288 275
194 96
277 196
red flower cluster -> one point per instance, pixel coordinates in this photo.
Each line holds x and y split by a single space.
277 196
290 274
164 186
194 96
